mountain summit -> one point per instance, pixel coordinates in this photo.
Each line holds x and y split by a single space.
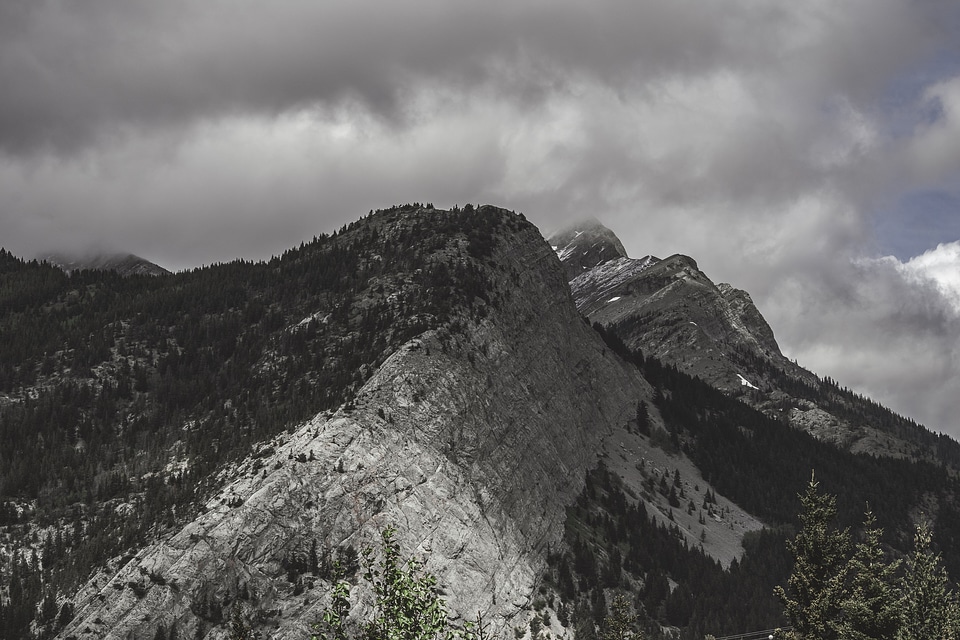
670 309
209 451
126 264
585 245
435 438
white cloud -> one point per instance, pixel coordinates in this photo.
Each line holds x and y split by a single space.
751 134
940 266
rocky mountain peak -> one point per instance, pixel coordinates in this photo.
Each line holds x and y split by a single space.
126 264
247 427
437 441
670 309
585 245
681 263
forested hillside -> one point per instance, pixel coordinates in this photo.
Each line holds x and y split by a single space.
615 546
120 397
143 417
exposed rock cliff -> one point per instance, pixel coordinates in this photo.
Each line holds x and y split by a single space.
585 245
471 439
670 309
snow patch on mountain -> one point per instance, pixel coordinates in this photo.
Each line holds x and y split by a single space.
319 316
746 383
565 252
605 278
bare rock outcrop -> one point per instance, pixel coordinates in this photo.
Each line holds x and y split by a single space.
585 245
471 440
671 310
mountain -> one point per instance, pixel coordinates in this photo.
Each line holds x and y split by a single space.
436 439
478 359
125 264
670 309
180 450
584 246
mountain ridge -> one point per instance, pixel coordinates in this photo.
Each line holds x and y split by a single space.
436 439
126 264
185 445
670 309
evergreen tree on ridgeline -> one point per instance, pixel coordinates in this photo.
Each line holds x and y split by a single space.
928 606
814 600
871 606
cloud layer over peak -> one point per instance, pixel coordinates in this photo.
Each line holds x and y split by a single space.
782 144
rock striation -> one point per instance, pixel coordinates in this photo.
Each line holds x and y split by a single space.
471 439
586 245
667 307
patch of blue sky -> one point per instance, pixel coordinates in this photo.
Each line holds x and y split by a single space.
917 222
903 105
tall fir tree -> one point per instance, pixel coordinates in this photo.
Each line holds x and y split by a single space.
871 608
622 623
814 604
929 607
643 418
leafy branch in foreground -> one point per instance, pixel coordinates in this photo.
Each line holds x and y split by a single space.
408 603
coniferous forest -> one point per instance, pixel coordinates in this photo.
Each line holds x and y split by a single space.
120 397
763 465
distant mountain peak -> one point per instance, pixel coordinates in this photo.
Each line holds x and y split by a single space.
126 264
671 310
585 245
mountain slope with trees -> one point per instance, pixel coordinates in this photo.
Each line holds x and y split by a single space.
671 310
187 453
288 410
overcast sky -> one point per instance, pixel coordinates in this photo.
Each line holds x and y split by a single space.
808 152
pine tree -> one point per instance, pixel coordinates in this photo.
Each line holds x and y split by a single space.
643 418
239 628
622 623
314 557
408 601
928 606
871 608
814 604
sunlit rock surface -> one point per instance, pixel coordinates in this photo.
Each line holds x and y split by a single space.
470 441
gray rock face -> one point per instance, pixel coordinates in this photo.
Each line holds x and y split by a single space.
671 310
585 245
471 440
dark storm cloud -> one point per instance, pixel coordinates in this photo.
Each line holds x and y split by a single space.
757 136
72 70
